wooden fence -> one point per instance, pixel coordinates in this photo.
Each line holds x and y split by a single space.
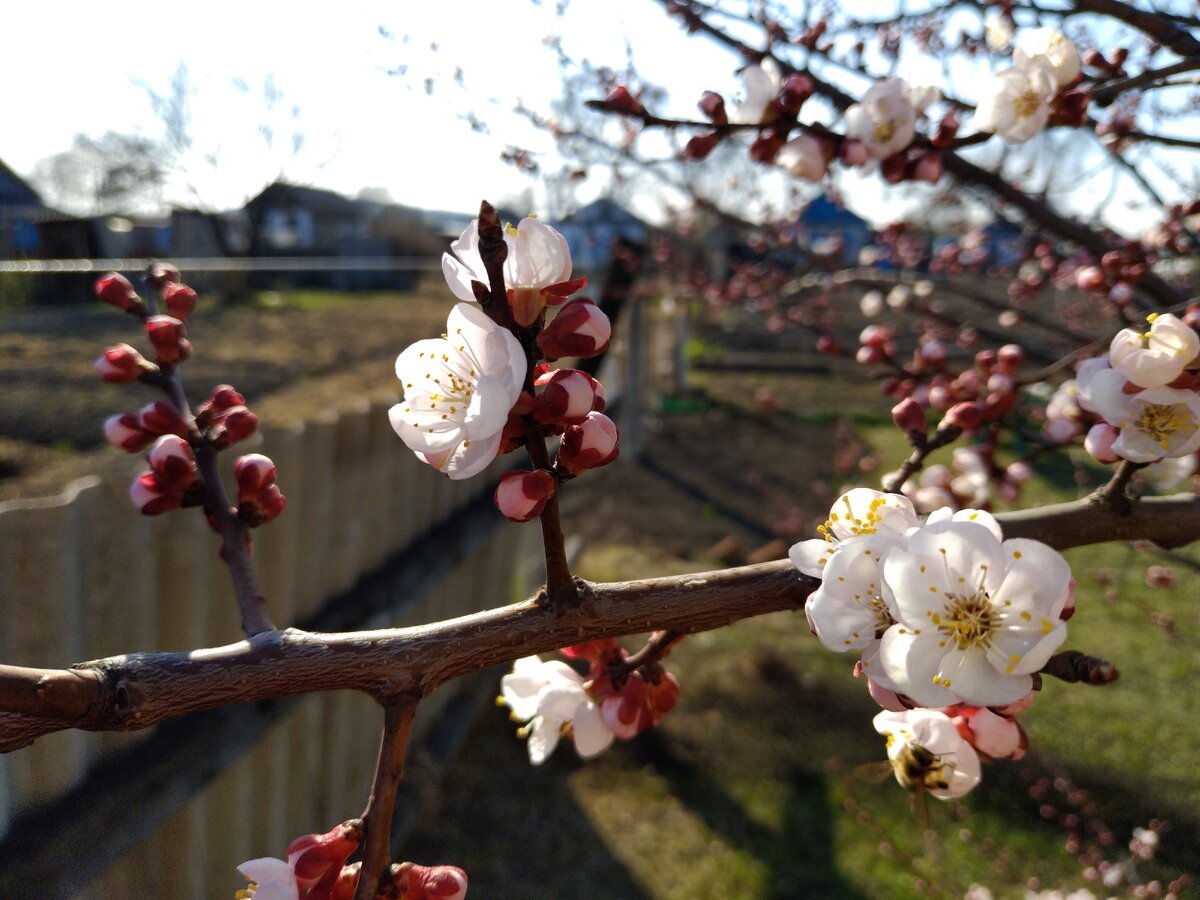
83 576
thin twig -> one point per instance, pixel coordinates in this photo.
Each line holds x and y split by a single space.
381 807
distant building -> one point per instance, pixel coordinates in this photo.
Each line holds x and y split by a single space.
20 210
1003 244
827 230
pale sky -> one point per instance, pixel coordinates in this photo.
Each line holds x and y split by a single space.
73 67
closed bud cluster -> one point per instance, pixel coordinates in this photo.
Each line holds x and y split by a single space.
588 445
223 398
122 364
172 481
259 497
567 397
521 496
167 334
116 290
579 329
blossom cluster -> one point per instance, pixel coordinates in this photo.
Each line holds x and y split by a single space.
317 868
1017 102
1140 399
484 389
613 700
945 614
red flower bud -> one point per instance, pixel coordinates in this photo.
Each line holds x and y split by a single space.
909 416
579 329
166 333
172 460
116 289
713 106
795 90
700 146
160 417
567 396
620 100
152 496
430 882
592 443
125 432
234 425
318 858
521 496
180 300
121 364
966 415
253 472
223 397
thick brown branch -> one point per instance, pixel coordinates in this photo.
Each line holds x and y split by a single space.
130 692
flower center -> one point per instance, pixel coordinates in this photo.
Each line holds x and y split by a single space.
969 621
1161 420
1027 104
884 130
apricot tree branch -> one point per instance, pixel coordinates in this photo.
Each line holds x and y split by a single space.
127 693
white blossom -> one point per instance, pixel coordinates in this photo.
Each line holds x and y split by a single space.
550 697
975 617
928 753
885 120
1155 424
458 391
1156 357
538 257
804 157
857 512
1050 47
760 85
1015 103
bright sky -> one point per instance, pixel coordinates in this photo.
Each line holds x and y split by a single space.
74 67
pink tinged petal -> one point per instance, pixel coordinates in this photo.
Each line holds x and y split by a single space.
970 676
911 661
589 732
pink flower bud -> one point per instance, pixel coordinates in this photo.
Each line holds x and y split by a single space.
929 167
116 290
579 329
160 417
152 496
700 146
1000 383
909 415
885 697
592 443
1010 357
1121 293
125 432
120 364
253 472
967 415
620 100
1061 430
996 736
1099 440
172 460
180 300
166 333
1160 577
521 496
567 396
430 882
223 397
876 335
319 857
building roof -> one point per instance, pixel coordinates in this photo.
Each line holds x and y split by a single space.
14 191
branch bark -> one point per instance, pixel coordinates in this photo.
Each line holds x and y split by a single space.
127 693
381 807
